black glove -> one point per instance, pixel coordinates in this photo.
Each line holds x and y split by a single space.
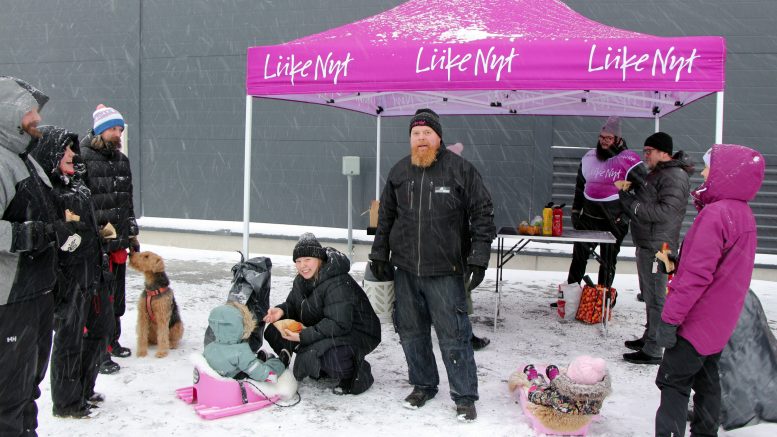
134 244
382 270
666 335
474 276
575 216
30 236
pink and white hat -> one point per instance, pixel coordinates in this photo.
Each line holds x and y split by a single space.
106 118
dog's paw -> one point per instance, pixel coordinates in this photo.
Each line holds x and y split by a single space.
142 353
161 354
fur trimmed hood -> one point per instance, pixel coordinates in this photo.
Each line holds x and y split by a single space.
231 323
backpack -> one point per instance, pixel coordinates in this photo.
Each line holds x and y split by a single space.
250 287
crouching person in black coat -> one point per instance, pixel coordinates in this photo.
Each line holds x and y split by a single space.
79 268
340 326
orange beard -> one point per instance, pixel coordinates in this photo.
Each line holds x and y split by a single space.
423 158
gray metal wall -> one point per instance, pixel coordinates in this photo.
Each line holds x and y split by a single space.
176 70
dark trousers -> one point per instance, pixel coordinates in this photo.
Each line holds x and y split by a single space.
25 345
653 289
423 301
608 252
100 324
66 360
681 370
119 300
337 362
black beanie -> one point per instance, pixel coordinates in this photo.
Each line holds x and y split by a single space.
427 117
660 141
308 246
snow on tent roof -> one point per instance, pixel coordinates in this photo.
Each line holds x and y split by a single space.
489 57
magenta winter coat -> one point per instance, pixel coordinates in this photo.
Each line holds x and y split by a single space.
707 293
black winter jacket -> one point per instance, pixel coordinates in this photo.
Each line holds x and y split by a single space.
25 201
109 178
657 206
335 312
435 220
80 268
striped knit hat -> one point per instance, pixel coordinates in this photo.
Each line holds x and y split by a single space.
106 118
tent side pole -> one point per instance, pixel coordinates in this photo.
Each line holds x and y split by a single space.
658 124
719 118
247 175
377 162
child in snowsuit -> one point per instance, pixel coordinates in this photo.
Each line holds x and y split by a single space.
579 390
230 355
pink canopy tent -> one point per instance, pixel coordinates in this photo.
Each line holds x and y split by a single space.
486 57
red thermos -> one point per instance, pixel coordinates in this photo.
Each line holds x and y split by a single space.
558 220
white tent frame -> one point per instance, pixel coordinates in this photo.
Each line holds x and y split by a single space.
435 97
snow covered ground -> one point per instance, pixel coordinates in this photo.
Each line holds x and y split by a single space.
141 396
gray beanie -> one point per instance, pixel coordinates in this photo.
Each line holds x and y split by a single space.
612 126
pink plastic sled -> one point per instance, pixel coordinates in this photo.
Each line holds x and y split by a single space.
522 397
215 396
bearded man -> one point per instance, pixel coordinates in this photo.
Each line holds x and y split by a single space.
109 177
28 257
596 206
435 226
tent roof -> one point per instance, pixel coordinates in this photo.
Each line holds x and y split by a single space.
489 57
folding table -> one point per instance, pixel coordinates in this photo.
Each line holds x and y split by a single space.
504 255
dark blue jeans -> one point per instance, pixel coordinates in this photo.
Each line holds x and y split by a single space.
423 301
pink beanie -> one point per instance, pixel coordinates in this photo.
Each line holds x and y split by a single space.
587 370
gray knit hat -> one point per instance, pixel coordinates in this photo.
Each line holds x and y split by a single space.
309 246
612 126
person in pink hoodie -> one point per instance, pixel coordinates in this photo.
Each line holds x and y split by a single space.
708 290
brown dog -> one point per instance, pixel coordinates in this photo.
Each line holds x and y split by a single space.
158 319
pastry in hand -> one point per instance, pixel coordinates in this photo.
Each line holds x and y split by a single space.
108 231
290 324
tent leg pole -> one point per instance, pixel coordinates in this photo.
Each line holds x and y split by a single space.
377 162
350 219
719 118
658 124
247 176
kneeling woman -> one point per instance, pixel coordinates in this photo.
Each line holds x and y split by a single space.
340 326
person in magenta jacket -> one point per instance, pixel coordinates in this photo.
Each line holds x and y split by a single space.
707 293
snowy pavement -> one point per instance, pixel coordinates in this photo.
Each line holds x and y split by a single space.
141 399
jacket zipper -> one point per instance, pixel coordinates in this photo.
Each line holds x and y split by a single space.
420 207
431 191
412 189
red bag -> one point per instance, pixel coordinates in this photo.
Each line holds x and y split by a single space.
592 302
